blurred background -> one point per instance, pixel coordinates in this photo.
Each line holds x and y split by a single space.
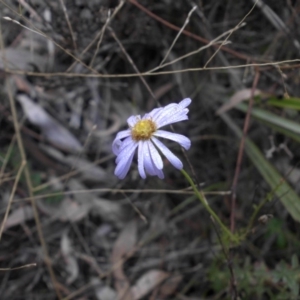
72 72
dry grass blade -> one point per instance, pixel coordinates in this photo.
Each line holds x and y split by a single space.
69 23
18 268
178 34
28 178
237 98
23 164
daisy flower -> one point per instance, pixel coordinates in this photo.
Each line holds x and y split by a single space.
143 134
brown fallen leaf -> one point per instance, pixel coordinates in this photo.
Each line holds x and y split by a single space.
19 216
237 98
106 293
123 246
87 170
169 287
108 210
53 131
21 59
74 208
72 211
147 283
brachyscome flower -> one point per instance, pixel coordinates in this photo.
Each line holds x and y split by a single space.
143 134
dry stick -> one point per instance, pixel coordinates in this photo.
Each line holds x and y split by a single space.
140 214
241 152
100 38
233 286
115 191
30 190
261 66
178 34
6 159
11 197
187 33
130 75
132 63
18 268
69 24
27 175
212 42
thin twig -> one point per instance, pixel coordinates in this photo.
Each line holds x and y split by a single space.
18 268
187 33
132 64
241 152
6 159
69 24
131 191
211 43
101 38
130 75
12 194
28 178
178 34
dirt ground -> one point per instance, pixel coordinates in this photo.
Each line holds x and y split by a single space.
72 72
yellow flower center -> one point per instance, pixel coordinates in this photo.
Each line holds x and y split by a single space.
143 130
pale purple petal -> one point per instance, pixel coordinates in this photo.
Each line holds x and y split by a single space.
141 153
124 160
185 102
168 110
172 113
127 144
161 111
149 164
156 158
173 159
122 171
172 118
117 141
131 121
152 114
182 140
160 174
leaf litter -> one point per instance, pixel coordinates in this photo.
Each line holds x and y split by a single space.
93 239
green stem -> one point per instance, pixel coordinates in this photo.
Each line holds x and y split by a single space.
207 207
261 205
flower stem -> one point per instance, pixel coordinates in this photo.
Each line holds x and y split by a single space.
207 207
